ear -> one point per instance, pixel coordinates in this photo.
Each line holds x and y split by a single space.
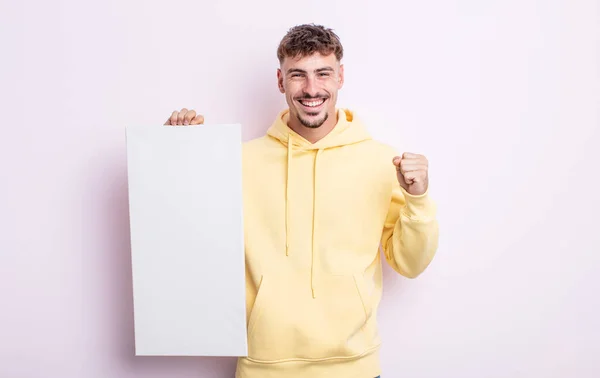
280 80
341 77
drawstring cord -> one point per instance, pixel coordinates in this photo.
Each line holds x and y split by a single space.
313 254
287 213
287 196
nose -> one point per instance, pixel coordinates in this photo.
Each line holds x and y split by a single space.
310 88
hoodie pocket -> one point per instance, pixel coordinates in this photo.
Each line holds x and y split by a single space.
287 323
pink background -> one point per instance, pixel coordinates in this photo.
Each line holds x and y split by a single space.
502 96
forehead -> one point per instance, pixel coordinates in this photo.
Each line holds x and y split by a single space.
311 62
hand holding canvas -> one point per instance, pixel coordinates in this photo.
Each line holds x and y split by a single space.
185 117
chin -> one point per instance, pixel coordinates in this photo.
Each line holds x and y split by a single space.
312 121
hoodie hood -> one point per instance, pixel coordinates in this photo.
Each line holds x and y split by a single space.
348 130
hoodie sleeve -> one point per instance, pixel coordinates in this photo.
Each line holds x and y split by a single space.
410 234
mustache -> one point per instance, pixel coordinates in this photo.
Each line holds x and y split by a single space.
315 97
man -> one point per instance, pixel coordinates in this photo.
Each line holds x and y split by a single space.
320 197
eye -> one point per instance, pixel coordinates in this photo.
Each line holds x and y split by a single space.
324 74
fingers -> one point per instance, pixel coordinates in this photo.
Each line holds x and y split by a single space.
412 172
181 116
411 166
410 155
198 120
409 159
188 117
185 117
412 177
404 167
173 119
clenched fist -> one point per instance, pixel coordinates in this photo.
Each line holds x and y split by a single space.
412 172
185 117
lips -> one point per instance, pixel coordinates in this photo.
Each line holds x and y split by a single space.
312 105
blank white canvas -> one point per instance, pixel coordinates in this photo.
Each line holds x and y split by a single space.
185 201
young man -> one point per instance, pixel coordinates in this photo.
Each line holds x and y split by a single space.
320 197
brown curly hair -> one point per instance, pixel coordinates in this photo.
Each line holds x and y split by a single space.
307 39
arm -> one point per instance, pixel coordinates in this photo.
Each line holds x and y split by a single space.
411 232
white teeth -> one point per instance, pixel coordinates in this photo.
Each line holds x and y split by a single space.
312 103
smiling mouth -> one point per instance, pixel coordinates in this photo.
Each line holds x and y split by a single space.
312 103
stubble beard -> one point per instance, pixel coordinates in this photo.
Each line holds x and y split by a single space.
315 123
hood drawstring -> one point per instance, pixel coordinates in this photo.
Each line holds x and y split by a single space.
287 211
314 238
348 130
287 196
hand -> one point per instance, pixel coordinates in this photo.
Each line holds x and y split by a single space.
412 172
185 117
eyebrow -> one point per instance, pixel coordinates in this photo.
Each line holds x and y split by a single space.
318 70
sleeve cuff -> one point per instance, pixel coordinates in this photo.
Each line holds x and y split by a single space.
419 207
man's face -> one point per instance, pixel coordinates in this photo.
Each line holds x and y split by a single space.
310 85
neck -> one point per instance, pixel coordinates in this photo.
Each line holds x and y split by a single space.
313 135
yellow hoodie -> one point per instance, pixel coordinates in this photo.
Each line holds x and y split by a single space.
314 218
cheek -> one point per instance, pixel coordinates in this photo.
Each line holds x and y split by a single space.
332 88
332 85
291 89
